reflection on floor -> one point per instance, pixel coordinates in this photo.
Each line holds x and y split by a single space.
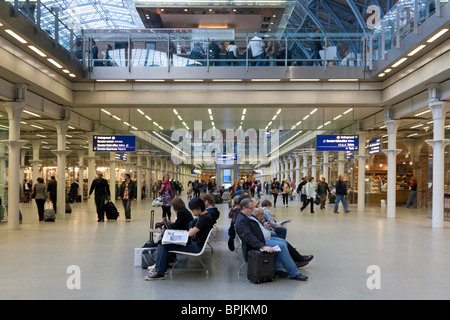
411 256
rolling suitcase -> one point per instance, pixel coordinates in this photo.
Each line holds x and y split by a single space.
111 211
260 266
151 243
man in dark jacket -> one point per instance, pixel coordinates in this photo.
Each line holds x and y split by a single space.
252 237
101 188
51 188
322 191
127 192
341 192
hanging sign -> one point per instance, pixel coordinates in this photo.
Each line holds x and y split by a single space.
337 142
103 143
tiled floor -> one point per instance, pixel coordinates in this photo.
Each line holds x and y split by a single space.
412 257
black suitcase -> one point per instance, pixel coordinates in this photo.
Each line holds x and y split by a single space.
260 266
111 211
150 243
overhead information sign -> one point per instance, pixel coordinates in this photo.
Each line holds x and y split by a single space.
114 143
374 146
337 142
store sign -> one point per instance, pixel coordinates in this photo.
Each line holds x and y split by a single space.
105 143
196 171
374 146
337 142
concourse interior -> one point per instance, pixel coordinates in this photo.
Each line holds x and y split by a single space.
371 105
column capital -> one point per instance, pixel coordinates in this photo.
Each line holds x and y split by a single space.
61 152
438 109
391 125
438 143
61 126
392 151
14 143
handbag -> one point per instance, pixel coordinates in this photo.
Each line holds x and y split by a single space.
158 202
317 200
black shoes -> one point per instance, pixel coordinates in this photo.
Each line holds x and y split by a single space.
300 277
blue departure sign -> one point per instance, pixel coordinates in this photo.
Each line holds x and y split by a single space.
337 142
374 146
104 143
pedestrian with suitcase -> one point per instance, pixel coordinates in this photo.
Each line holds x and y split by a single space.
40 195
127 193
101 188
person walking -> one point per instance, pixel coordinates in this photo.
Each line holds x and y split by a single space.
40 195
51 189
413 193
310 191
101 188
167 194
274 189
285 190
127 193
322 189
341 192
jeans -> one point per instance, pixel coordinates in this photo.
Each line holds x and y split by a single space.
412 197
285 198
162 253
127 207
261 62
340 197
283 259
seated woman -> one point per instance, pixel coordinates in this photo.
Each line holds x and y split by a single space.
183 215
197 237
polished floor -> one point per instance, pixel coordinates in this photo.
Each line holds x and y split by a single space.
413 258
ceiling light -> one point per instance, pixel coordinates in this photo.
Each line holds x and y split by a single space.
302 80
343 80
72 75
243 117
149 80
417 126
399 62
15 35
227 80
39 52
279 110
412 135
274 117
148 118
423 112
32 113
40 135
345 112
140 111
175 111
244 111
416 50
327 123
209 111
56 64
127 124
188 80
111 80
388 70
256 80
105 111
35 126
306 117
312 112
66 71
335 118
179 117
437 35
117 118
381 74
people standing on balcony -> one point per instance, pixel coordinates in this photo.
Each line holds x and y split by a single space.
316 46
272 51
214 53
197 53
232 53
256 46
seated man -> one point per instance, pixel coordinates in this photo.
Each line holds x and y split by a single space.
253 238
299 260
197 238
210 206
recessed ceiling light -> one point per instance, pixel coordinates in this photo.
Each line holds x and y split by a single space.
342 80
111 80
66 71
32 113
416 50
39 52
56 64
399 62
437 35
72 75
15 35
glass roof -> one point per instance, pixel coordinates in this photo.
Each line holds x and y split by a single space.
98 14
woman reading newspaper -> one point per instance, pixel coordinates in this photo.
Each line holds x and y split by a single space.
194 244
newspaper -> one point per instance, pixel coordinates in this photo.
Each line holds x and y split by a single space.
179 237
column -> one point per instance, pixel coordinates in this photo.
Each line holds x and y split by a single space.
291 168
81 168
297 170
139 178
325 167
149 176
362 157
35 162
313 165
439 110
112 176
391 152
341 163
61 153
305 164
91 173
14 110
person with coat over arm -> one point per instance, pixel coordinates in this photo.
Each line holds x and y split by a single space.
101 188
